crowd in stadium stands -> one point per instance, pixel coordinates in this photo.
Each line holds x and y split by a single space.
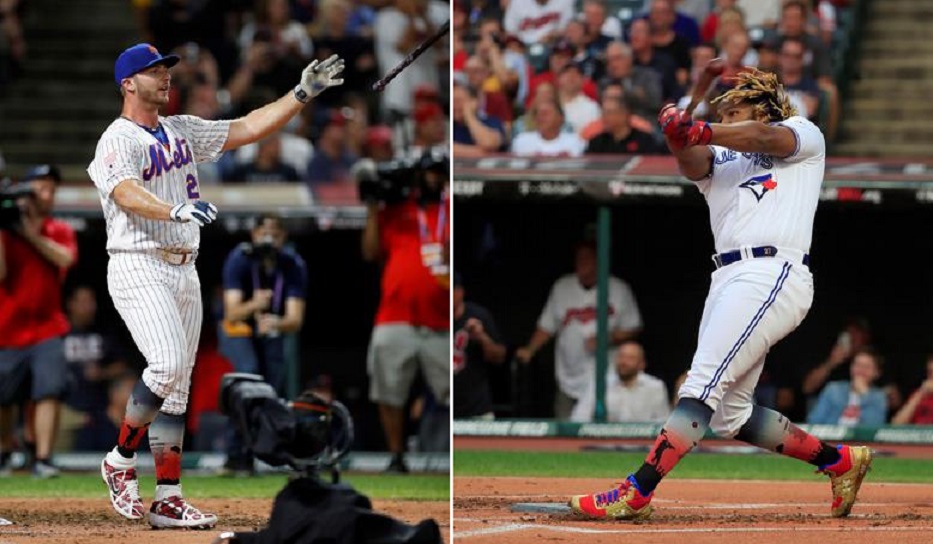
566 78
242 54
12 42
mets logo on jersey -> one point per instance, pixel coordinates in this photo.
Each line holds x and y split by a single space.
760 185
159 162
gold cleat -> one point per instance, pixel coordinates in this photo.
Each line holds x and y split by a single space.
624 502
846 476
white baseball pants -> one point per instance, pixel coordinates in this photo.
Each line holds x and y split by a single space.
752 304
161 305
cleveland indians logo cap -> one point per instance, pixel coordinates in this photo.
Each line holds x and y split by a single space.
139 57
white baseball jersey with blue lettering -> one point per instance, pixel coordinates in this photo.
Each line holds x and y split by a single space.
755 200
127 151
160 302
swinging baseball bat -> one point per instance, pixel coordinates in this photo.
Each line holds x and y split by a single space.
414 54
713 70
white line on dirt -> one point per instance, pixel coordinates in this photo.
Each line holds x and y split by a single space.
730 483
678 504
513 527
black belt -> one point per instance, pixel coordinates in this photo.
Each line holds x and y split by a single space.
729 257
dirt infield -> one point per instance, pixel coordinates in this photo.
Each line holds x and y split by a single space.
84 521
906 451
695 512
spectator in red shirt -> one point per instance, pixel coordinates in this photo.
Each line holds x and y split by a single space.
412 240
34 258
710 24
430 127
918 410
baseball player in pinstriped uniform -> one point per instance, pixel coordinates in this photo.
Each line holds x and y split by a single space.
760 170
145 169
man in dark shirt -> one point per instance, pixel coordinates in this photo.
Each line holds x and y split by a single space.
264 298
93 355
475 134
332 157
645 55
267 167
619 137
476 344
802 88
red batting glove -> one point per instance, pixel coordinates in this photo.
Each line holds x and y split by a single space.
668 113
673 126
699 133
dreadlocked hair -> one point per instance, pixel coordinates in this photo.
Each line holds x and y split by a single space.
763 90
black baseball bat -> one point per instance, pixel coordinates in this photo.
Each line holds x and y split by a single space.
415 53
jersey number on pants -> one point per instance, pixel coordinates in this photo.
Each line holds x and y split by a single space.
192 185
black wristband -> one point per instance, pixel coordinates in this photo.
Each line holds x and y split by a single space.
301 95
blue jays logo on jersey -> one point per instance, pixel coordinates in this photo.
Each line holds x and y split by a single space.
759 185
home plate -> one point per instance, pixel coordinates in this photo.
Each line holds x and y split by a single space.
541 507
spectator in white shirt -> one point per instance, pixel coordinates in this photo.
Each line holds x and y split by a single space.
548 140
631 395
761 13
538 21
570 316
580 109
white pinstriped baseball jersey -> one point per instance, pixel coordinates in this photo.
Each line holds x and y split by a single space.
127 151
159 302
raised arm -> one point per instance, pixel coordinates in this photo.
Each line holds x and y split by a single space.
906 413
688 140
261 122
684 134
754 137
694 162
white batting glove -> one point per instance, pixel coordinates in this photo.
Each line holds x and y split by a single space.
199 211
318 77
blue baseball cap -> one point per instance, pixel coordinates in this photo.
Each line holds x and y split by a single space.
43 171
139 57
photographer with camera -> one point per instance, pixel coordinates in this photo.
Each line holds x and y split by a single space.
36 252
264 298
408 231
